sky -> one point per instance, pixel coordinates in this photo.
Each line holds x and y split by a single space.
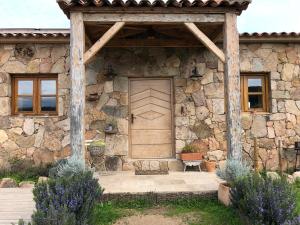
261 16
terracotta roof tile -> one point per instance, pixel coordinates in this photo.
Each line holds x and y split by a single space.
45 34
238 4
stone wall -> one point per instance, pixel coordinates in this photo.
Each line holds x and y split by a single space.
199 104
40 138
283 122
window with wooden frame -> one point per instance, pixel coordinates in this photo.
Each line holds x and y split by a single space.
34 94
254 92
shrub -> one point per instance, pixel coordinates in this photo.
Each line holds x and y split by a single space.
233 170
264 200
24 169
60 200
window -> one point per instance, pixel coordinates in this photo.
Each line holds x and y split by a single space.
34 94
254 90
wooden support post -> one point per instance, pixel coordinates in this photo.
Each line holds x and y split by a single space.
206 41
77 86
232 87
102 41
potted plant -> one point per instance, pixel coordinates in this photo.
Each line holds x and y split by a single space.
210 165
97 148
190 153
234 169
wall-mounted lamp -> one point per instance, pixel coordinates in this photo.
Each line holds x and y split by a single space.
195 74
110 73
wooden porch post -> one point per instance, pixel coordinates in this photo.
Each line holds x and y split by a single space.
232 87
77 105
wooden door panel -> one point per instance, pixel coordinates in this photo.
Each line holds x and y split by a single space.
148 93
151 137
148 151
160 123
150 100
151 129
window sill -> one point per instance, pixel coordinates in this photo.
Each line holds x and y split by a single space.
257 113
35 116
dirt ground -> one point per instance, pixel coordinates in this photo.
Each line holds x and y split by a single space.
156 216
150 220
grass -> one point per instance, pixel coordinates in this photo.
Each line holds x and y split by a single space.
195 211
297 186
23 170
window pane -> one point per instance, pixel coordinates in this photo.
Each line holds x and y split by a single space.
25 104
25 87
48 87
255 101
254 85
48 104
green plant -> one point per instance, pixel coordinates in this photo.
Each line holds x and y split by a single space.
22 222
264 200
233 170
98 143
189 149
54 216
69 167
65 196
25 170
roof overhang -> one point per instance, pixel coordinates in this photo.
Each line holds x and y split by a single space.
193 6
62 36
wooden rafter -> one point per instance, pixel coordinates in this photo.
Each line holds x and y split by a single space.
206 41
89 54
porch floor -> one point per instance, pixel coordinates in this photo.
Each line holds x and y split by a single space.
128 182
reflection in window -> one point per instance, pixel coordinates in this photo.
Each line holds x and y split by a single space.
25 87
48 87
254 85
25 104
34 94
254 92
48 104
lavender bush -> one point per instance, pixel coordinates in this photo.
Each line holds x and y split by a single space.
234 169
69 197
264 200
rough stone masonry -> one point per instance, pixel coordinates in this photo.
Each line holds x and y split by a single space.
199 104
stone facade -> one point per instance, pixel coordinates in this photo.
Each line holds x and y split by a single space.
199 106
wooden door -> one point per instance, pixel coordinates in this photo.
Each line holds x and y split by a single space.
151 118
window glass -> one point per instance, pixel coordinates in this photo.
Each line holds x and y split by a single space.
25 104
48 87
255 102
25 87
48 104
254 85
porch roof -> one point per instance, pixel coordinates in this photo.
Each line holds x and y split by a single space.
63 36
68 5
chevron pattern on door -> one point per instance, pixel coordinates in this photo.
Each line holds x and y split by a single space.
151 118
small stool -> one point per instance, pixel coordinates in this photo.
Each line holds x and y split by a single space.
192 163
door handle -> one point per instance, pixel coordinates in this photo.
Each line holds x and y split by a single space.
132 118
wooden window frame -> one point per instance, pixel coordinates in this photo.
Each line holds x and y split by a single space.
36 95
245 94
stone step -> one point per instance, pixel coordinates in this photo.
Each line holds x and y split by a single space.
157 165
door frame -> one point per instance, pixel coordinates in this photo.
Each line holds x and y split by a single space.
173 151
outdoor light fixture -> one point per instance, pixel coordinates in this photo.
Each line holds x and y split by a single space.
195 73
110 74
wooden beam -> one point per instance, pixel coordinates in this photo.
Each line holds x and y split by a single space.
206 41
151 18
102 41
232 87
77 102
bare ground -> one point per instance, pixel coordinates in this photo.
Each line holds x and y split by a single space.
156 216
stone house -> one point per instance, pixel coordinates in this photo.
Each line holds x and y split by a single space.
160 81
